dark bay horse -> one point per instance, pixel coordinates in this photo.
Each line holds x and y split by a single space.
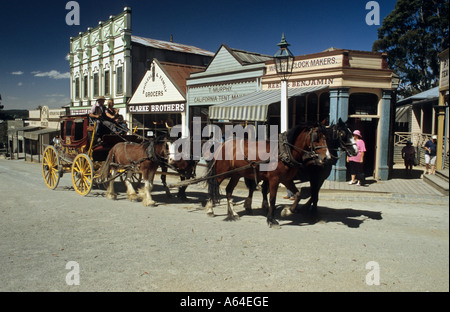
339 137
145 157
182 163
307 145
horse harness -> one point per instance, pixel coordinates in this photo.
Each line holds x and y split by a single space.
285 150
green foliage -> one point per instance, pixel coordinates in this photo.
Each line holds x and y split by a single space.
413 35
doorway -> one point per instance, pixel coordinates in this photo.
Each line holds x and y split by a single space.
368 128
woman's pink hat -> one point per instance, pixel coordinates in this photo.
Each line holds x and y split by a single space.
356 132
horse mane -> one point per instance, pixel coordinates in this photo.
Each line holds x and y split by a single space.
294 132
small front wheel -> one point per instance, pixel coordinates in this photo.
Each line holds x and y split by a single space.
51 167
82 174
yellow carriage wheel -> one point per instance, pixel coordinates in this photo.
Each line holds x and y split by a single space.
51 167
82 174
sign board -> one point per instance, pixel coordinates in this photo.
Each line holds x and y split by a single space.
443 81
217 93
157 108
311 64
156 88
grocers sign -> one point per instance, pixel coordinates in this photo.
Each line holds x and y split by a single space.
156 93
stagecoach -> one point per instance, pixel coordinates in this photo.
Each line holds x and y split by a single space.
79 151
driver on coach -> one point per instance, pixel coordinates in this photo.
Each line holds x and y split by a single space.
98 111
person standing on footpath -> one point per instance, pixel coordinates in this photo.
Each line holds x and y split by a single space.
408 154
430 154
356 163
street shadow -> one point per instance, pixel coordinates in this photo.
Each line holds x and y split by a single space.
353 218
398 173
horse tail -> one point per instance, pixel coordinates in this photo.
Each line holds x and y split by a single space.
213 184
104 170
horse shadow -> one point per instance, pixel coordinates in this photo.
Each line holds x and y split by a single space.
352 218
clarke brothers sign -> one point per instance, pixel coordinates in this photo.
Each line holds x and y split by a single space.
157 94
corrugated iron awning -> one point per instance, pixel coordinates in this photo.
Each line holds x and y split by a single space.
254 106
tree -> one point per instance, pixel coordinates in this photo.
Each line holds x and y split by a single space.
413 35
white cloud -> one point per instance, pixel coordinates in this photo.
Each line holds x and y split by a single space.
55 95
17 73
53 74
20 84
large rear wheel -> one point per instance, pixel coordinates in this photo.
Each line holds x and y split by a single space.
51 167
82 174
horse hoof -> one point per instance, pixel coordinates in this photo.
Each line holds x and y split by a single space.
233 218
286 212
133 198
210 214
148 203
274 225
111 196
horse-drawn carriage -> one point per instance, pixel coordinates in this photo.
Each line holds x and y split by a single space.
78 152
308 152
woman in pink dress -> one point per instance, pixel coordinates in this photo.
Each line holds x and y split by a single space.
356 163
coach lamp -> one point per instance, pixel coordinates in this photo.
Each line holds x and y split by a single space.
284 59
284 64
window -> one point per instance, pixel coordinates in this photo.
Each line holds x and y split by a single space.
79 128
324 107
107 83
96 85
85 87
68 128
77 88
312 108
363 104
119 75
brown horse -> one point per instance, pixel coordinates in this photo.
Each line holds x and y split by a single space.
145 157
307 146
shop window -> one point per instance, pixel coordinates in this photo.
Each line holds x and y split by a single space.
119 76
107 83
96 85
312 108
300 110
324 107
77 88
363 104
85 87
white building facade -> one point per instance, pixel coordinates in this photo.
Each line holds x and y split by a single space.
100 64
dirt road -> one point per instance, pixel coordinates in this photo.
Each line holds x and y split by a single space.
52 239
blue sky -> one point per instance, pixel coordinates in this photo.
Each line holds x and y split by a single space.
34 37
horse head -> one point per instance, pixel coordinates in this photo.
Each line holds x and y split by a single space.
318 147
346 140
310 143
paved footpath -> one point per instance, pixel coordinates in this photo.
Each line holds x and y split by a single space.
360 241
